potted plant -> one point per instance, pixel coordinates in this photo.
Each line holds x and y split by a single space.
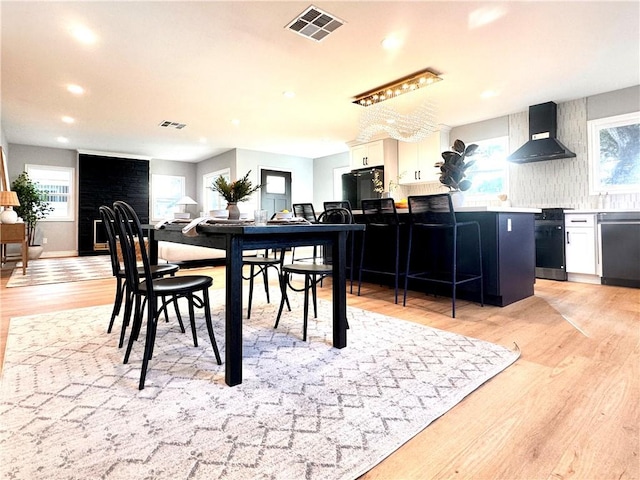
234 192
453 168
33 206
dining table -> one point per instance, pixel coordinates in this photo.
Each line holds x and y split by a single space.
234 238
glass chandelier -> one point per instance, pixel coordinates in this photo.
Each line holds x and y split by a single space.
409 119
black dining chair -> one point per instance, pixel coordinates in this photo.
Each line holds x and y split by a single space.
435 248
350 239
148 290
259 265
313 272
383 231
123 292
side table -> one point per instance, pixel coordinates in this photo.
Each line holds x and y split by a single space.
14 233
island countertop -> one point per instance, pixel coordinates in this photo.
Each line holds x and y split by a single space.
493 209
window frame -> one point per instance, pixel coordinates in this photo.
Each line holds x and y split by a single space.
594 154
481 196
213 200
70 215
155 214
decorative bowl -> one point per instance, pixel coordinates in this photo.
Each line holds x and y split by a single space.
284 215
222 213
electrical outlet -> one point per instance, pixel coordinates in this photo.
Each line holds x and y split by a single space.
44 240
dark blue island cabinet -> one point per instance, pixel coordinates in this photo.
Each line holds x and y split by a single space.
508 254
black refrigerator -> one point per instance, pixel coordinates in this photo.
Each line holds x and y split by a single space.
358 184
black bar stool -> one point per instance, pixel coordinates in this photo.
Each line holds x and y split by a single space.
432 220
382 221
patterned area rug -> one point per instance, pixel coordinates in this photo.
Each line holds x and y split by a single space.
61 270
70 409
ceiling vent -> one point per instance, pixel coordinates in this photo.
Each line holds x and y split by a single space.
315 24
169 124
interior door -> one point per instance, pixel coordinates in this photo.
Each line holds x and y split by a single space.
275 195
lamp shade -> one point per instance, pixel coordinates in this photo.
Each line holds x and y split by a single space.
186 201
9 199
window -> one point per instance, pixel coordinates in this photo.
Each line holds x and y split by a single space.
166 190
57 183
614 154
489 173
213 200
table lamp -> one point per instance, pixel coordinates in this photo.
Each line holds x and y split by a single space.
184 201
8 200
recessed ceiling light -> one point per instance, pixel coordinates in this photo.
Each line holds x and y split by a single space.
391 43
489 94
75 89
63 139
84 34
288 94
67 119
203 140
235 122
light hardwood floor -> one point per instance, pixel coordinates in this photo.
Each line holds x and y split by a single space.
568 408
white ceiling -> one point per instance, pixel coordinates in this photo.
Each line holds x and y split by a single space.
207 63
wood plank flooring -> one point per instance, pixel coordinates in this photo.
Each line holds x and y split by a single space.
567 409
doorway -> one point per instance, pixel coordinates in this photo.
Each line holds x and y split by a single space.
275 196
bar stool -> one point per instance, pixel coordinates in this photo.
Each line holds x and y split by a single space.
431 220
306 211
380 217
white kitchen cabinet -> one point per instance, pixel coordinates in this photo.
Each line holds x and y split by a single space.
581 243
416 160
370 154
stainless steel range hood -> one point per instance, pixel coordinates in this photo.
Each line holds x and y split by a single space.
542 144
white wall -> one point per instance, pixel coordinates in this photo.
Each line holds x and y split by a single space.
323 178
301 169
62 237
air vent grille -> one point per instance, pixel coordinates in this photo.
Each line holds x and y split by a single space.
170 124
315 24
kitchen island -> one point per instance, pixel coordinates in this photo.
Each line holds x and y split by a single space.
508 252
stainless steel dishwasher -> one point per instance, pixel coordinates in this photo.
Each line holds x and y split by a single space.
620 242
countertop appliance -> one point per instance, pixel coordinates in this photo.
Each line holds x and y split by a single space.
542 144
550 249
358 184
620 242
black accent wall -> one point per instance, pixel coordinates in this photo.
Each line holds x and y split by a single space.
103 180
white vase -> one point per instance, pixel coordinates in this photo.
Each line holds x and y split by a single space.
35 251
457 198
234 211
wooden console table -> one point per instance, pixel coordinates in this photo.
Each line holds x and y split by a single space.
14 233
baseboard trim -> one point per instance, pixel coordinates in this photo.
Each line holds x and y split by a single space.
59 253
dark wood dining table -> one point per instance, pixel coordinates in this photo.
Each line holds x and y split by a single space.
234 238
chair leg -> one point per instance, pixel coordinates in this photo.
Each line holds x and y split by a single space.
251 275
126 319
361 263
148 347
117 302
192 319
284 280
265 279
178 316
135 327
313 282
407 269
207 317
397 266
307 286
